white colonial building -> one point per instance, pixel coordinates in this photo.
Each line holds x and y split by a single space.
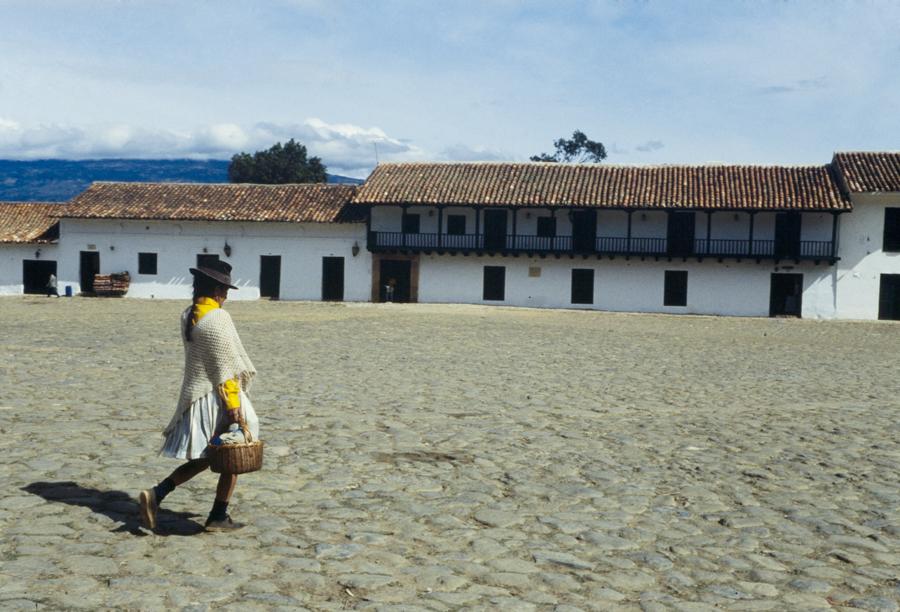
817 241
294 242
28 236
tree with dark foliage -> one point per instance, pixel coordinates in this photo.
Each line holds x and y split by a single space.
278 165
579 149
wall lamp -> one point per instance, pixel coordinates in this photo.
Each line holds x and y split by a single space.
355 249
37 254
227 249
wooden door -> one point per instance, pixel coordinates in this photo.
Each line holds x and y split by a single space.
495 229
270 276
36 273
889 297
786 295
89 266
680 233
584 230
333 279
787 235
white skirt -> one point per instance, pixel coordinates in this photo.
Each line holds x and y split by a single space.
199 423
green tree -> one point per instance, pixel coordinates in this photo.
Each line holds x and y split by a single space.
579 149
286 163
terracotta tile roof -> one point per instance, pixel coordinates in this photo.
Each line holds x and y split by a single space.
869 172
604 186
29 221
298 203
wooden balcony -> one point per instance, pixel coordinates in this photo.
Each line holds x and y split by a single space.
603 246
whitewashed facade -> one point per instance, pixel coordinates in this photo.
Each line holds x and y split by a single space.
28 250
864 259
715 286
176 245
13 259
817 242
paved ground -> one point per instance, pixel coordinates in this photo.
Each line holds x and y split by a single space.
447 457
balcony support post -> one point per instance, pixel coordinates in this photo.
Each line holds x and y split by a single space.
834 228
403 208
440 226
628 235
514 215
369 240
477 226
750 244
708 232
554 240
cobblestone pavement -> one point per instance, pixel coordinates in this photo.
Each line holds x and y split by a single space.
459 457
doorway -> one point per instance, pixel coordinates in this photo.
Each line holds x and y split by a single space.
395 275
889 298
495 229
787 235
270 276
332 279
35 274
786 295
582 286
89 266
584 230
680 233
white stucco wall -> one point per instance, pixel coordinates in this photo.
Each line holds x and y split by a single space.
11 257
862 258
729 288
177 244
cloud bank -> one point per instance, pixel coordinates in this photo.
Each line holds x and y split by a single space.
344 148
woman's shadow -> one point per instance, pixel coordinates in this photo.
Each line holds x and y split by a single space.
116 505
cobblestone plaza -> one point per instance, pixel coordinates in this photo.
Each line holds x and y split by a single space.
429 457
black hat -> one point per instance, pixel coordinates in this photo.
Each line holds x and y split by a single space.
219 271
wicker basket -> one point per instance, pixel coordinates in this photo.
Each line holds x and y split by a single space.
236 458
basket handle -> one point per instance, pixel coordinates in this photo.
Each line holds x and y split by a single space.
248 437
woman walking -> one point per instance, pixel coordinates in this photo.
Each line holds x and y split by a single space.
217 376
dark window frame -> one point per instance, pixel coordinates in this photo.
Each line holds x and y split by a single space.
201 257
675 288
146 261
546 227
411 223
891 236
494 284
456 225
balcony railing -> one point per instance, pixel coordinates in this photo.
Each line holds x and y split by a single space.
604 245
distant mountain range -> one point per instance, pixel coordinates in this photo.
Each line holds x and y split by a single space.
57 180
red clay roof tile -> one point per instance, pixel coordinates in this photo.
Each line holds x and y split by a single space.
869 172
296 203
604 186
29 221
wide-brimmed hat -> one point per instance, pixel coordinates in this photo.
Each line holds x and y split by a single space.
219 271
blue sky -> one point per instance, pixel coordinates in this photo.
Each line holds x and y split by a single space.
765 82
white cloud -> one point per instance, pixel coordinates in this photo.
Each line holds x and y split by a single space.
344 148
461 152
650 146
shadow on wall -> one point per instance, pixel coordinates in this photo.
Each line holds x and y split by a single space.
116 505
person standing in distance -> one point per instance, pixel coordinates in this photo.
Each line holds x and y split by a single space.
214 394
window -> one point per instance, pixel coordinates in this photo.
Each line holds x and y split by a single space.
205 258
546 227
582 286
891 230
494 283
456 225
410 224
675 292
146 263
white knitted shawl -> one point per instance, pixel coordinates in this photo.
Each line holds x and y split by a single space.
213 355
